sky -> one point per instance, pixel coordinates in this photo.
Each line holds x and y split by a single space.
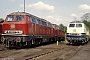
54 11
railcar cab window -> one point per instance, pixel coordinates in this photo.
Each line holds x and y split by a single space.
19 18
72 25
10 18
78 25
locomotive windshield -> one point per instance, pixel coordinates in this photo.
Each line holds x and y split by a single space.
78 25
75 25
71 25
15 18
10 18
19 18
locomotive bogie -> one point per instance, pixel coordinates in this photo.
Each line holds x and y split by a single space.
14 41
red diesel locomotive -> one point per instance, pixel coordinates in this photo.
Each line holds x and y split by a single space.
24 29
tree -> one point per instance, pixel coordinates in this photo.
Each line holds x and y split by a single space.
87 23
1 20
64 27
86 17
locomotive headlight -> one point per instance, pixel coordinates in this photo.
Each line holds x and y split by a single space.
16 31
20 32
68 33
5 31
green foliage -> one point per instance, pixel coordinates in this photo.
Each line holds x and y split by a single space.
1 20
87 23
64 27
86 19
86 16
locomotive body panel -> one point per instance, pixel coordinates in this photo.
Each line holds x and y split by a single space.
12 28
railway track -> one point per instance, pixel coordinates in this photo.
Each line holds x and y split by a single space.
43 54
69 54
37 50
64 54
2 47
47 52
40 56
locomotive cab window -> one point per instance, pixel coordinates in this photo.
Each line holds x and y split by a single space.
72 25
19 18
10 18
78 25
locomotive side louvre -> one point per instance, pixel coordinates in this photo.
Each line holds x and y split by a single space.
77 32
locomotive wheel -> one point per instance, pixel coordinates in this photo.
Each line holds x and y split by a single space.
28 44
39 42
36 42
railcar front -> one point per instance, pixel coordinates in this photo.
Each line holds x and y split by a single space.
77 32
15 29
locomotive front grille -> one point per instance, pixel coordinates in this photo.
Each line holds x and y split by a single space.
74 34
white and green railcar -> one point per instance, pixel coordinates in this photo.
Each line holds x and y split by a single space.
77 32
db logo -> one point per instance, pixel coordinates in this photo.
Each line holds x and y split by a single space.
74 30
12 26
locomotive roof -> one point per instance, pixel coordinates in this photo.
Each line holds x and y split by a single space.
76 22
24 13
19 13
